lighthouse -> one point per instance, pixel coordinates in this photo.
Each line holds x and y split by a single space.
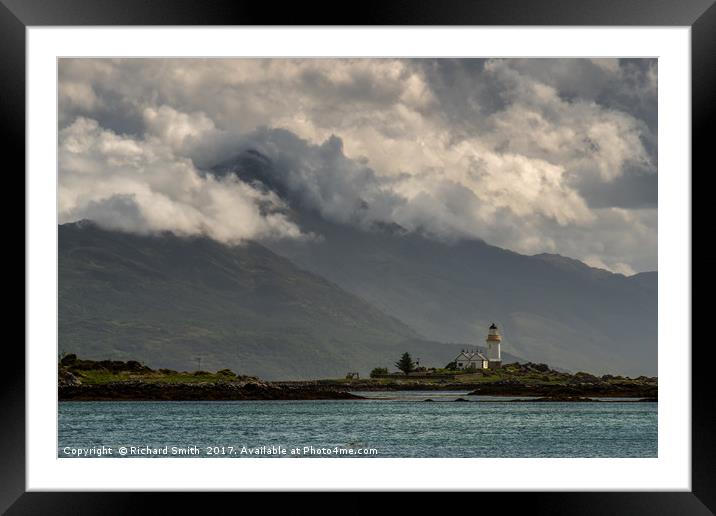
493 347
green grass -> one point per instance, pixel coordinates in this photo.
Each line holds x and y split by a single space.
95 377
508 372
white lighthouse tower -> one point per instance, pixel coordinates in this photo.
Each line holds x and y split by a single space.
493 347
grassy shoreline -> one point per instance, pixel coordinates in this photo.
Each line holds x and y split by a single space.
115 380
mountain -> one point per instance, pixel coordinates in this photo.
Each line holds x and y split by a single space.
170 301
550 308
647 280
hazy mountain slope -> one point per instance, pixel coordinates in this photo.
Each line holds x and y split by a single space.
569 317
167 300
647 280
551 308
577 319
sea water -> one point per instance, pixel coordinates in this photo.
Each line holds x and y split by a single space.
392 424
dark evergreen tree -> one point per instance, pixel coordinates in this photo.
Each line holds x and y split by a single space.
406 364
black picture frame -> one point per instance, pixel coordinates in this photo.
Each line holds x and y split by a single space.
17 15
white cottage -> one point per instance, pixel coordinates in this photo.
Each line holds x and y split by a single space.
471 360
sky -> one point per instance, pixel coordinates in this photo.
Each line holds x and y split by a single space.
532 155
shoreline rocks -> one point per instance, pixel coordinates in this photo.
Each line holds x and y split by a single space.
220 391
66 379
507 387
559 399
599 390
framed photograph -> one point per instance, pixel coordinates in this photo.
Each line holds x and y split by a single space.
437 250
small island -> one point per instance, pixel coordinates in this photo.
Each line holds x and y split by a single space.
113 380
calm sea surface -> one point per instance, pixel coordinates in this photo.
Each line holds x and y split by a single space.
397 424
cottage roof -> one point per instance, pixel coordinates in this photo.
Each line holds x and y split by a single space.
476 355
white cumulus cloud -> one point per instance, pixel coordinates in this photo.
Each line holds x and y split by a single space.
140 185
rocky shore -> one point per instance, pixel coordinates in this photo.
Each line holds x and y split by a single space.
222 391
567 391
114 380
517 379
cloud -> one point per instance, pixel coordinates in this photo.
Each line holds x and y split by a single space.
535 155
596 118
139 185
582 136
